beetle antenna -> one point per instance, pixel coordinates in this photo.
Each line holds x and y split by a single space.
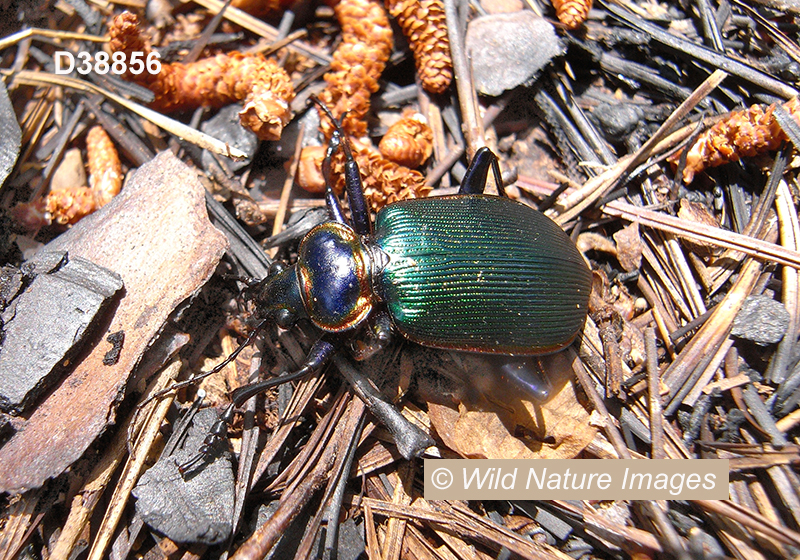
203 374
338 130
352 176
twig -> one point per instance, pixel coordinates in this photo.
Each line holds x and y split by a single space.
790 238
702 53
48 34
473 131
597 187
263 29
754 247
172 126
134 466
750 519
654 395
292 502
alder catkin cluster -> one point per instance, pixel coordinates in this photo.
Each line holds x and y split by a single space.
409 141
67 205
384 181
424 25
357 64
260 83
572 13
742 134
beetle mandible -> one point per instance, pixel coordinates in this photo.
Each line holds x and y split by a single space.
469 272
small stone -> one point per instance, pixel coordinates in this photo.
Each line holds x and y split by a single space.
70 173
617 121
195 509
226 126
762 320
509 50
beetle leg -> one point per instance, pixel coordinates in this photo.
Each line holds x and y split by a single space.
318 356
376 337
411 441
525 374
474 181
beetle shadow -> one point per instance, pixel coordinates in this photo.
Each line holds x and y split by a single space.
492 383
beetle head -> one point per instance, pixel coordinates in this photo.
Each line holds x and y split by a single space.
277 297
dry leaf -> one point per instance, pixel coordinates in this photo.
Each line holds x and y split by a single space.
629 247
557 429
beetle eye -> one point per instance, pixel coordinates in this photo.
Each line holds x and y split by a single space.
276 267
285 319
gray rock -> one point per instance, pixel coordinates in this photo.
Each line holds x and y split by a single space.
10 135
197 509
762 320
509 50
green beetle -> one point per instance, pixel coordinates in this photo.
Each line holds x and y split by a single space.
466 272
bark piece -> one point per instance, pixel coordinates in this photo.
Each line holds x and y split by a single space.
47 324
157 237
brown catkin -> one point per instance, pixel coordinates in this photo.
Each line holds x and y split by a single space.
384 181
357 64
68 205
105 169
409 141
744 133
424 25
572 13
260 83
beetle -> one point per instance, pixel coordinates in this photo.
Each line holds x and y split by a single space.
469 272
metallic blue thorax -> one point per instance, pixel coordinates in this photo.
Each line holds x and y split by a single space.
333 274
